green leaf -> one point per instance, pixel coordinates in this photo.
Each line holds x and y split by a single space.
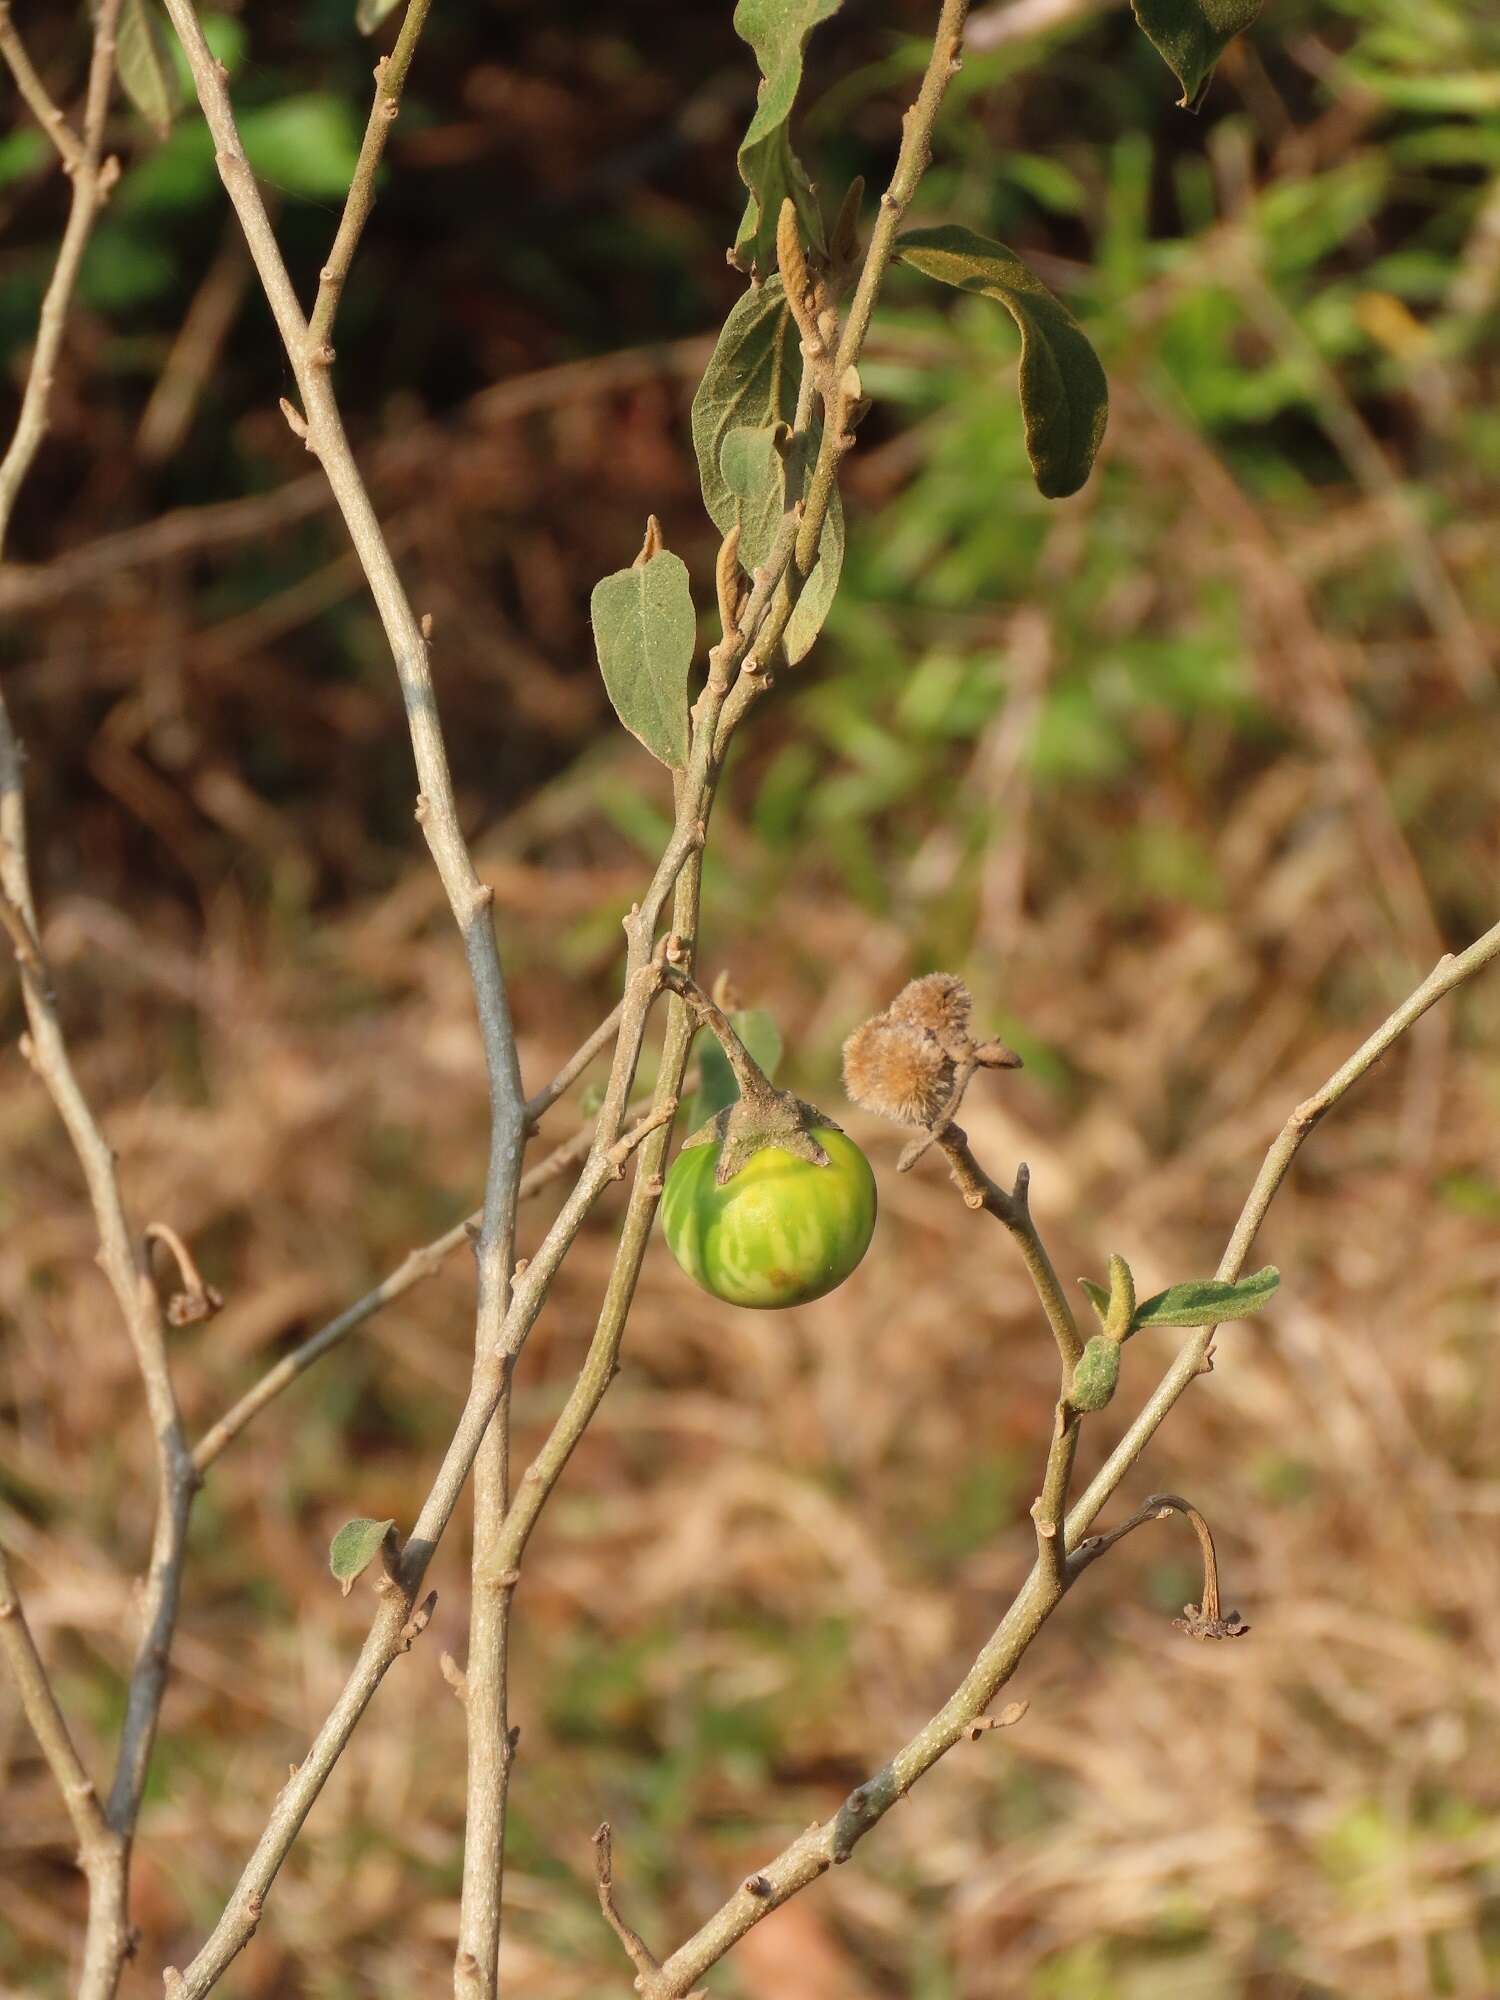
1191 35
303 145
644 633
1208 1301
777 30
717 1089
753 465
1098 1298
143 57
355 1547
750 386
369 14
1064 396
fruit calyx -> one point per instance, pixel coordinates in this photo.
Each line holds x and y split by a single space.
768 1117
762 1115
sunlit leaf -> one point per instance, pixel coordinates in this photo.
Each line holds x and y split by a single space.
369 14
355 1547
1064 396
777 30
1208 1301
644 634
1191 35
143 58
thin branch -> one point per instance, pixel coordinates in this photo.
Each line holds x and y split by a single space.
636 1950
1014 1210
390 81
48 116
96 1842
831 1841
911 163
93 176
1204 1620
574 1067
410 1272
1192 1359
107 1939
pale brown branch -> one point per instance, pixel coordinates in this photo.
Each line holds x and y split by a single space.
40 1707
52 121
573 1068
636 1949
830 1841
410 1272
1192 1359
92 176
390 81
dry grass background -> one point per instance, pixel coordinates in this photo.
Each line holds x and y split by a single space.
785 1535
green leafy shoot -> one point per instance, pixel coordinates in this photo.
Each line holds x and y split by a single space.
1064 396
355 1547
1208 1301
749 394
645 631
1191 35
777 30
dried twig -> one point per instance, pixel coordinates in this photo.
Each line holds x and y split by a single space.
636 1950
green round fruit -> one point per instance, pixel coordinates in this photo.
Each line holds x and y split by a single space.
781 1231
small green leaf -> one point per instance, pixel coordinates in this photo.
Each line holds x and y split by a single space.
750 385
644 633
777 30
1208 1301
355 1547
1064 396
754 469
1191 35
717 1089
369 14
1098 1298
143 58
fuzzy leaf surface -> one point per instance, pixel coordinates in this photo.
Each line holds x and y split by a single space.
1191 35
1064 396
777 30
143 58
1208 1301
750 386
369 14
644 633
354 1548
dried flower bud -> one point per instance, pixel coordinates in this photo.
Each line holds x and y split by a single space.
893 1067
939 1003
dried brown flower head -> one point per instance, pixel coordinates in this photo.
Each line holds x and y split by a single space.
899 1070
940 1004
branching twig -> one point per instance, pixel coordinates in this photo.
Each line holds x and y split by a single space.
410 1272
34 91
830 1841
100 1851
636 1950
390 81
1204 1620
122 1256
